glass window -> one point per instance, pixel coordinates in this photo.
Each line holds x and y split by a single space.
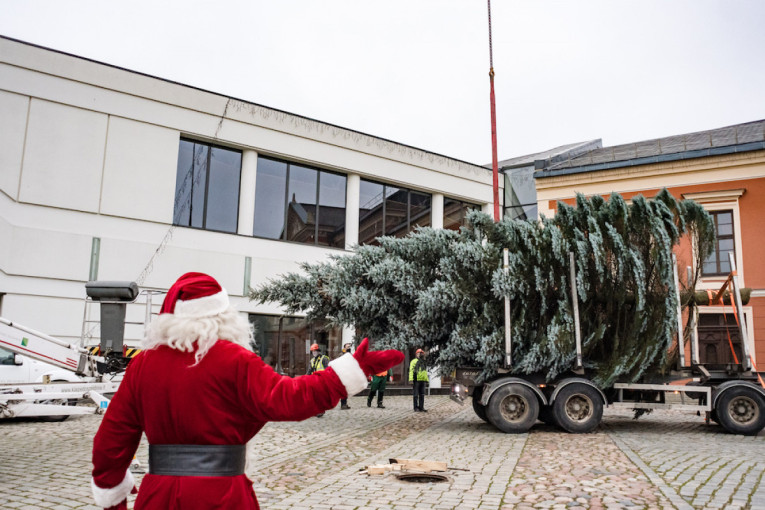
299 203
270 196
207 187
6 357
420 209
370 211
455 213
331 210
717 263
301 208
390 210
223 193
396 211
284 342
520 194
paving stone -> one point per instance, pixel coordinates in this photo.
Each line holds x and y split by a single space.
664 460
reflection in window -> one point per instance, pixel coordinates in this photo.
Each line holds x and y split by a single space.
455 213
520 194
207 187
284 342
298 203
717 263
270 190
390 210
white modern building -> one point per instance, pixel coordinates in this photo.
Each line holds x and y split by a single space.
110 174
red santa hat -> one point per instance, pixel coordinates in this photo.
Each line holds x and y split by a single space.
195 295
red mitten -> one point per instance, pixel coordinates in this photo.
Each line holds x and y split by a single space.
375 362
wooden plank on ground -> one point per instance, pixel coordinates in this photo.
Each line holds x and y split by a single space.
420 465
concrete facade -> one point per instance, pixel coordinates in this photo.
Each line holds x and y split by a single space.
88 160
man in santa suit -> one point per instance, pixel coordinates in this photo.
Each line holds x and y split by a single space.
199 394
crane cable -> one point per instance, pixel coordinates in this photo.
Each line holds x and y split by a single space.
494 164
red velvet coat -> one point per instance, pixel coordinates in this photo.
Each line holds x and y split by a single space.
225 399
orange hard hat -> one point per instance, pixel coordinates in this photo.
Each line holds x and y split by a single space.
314 347
418 351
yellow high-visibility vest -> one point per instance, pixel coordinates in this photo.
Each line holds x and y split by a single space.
317 364
422 374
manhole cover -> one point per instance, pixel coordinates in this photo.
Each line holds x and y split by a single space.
421 478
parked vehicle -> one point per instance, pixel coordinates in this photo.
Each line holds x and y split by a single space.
44 376
733 396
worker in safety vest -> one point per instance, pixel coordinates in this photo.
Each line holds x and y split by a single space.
418 376
344 401
319 362
379 382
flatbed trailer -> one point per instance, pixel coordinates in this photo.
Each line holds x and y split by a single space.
733 396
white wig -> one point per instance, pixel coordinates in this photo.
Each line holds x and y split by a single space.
188 334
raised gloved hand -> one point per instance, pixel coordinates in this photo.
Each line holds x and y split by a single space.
375 362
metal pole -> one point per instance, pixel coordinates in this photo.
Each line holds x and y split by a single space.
741 324
494 163
508 333
693 319
680 341
575 302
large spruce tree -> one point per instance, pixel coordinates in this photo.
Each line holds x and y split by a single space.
444 289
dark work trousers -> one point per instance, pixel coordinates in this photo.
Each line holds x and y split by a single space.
378 386
418 395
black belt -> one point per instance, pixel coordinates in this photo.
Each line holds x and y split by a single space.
196 460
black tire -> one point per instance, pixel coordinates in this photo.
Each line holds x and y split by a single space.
546 415
480 410
513 409
578 408
741 410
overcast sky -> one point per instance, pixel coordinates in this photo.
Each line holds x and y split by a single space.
416 71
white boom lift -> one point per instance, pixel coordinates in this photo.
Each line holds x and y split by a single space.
100 374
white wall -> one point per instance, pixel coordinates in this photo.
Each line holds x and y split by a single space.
63 157
137 182
88 151
13 123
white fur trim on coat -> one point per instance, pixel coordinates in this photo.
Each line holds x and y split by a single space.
110 497
348 370
202 307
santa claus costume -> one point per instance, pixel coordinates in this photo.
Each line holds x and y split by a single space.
199 394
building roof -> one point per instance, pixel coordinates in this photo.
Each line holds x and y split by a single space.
737 138
572 149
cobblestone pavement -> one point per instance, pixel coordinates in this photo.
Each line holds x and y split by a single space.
663 460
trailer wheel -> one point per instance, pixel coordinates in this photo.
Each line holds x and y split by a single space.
480 410
741 410
578 408
513 409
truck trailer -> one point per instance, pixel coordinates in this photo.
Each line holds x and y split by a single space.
733 395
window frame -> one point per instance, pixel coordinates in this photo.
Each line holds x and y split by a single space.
463 211
384 212
721 200
319 171
748 313
210 146
732 236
